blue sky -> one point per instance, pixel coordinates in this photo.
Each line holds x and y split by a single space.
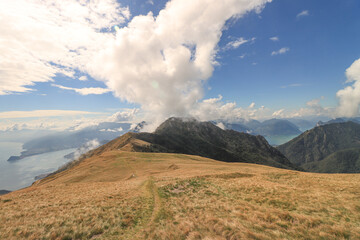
320 40
322 45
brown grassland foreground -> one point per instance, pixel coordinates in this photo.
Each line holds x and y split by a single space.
128 195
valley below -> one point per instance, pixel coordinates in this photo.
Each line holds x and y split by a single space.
134 195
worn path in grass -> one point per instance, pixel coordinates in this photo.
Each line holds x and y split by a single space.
174 196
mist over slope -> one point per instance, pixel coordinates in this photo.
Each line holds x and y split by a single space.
102 132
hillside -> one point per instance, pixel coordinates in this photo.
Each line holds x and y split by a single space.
205 139
318 143
342 161
131 195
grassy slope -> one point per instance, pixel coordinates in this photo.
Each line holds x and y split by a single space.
128 195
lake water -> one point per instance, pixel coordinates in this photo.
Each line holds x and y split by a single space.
278 140
20 174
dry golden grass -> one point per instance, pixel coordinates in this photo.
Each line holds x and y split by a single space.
128 195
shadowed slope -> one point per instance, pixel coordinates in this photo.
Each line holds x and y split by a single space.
315 145
204 139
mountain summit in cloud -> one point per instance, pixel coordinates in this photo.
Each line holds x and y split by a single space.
162 62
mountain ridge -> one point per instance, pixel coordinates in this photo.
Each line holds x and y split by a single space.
318 143
204 139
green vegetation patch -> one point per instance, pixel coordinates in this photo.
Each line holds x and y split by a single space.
230 175
192 185
282 176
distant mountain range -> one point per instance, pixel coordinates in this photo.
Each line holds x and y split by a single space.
276 131
190 136
271 127
332 148
23 135
277 127
103 132
303 124
339 120
3 192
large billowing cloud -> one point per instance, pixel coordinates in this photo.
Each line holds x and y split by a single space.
161 62
41 38
349 97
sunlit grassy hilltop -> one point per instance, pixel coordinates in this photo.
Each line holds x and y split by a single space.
130 195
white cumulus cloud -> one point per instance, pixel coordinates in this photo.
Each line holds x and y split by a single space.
215 109
42 38
349 97
274 39
159 62
126 115
280 51
303 13
312 108
162 62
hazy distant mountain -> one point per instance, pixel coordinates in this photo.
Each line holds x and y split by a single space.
2 192
204 139
251 123
103 132
276 131
277 127
238 127
303 124
339 120
321 149
22 135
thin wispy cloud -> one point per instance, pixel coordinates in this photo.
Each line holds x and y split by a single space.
274 39
42 113
84 91
238 42
280 51
292 85
303 14
83 78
